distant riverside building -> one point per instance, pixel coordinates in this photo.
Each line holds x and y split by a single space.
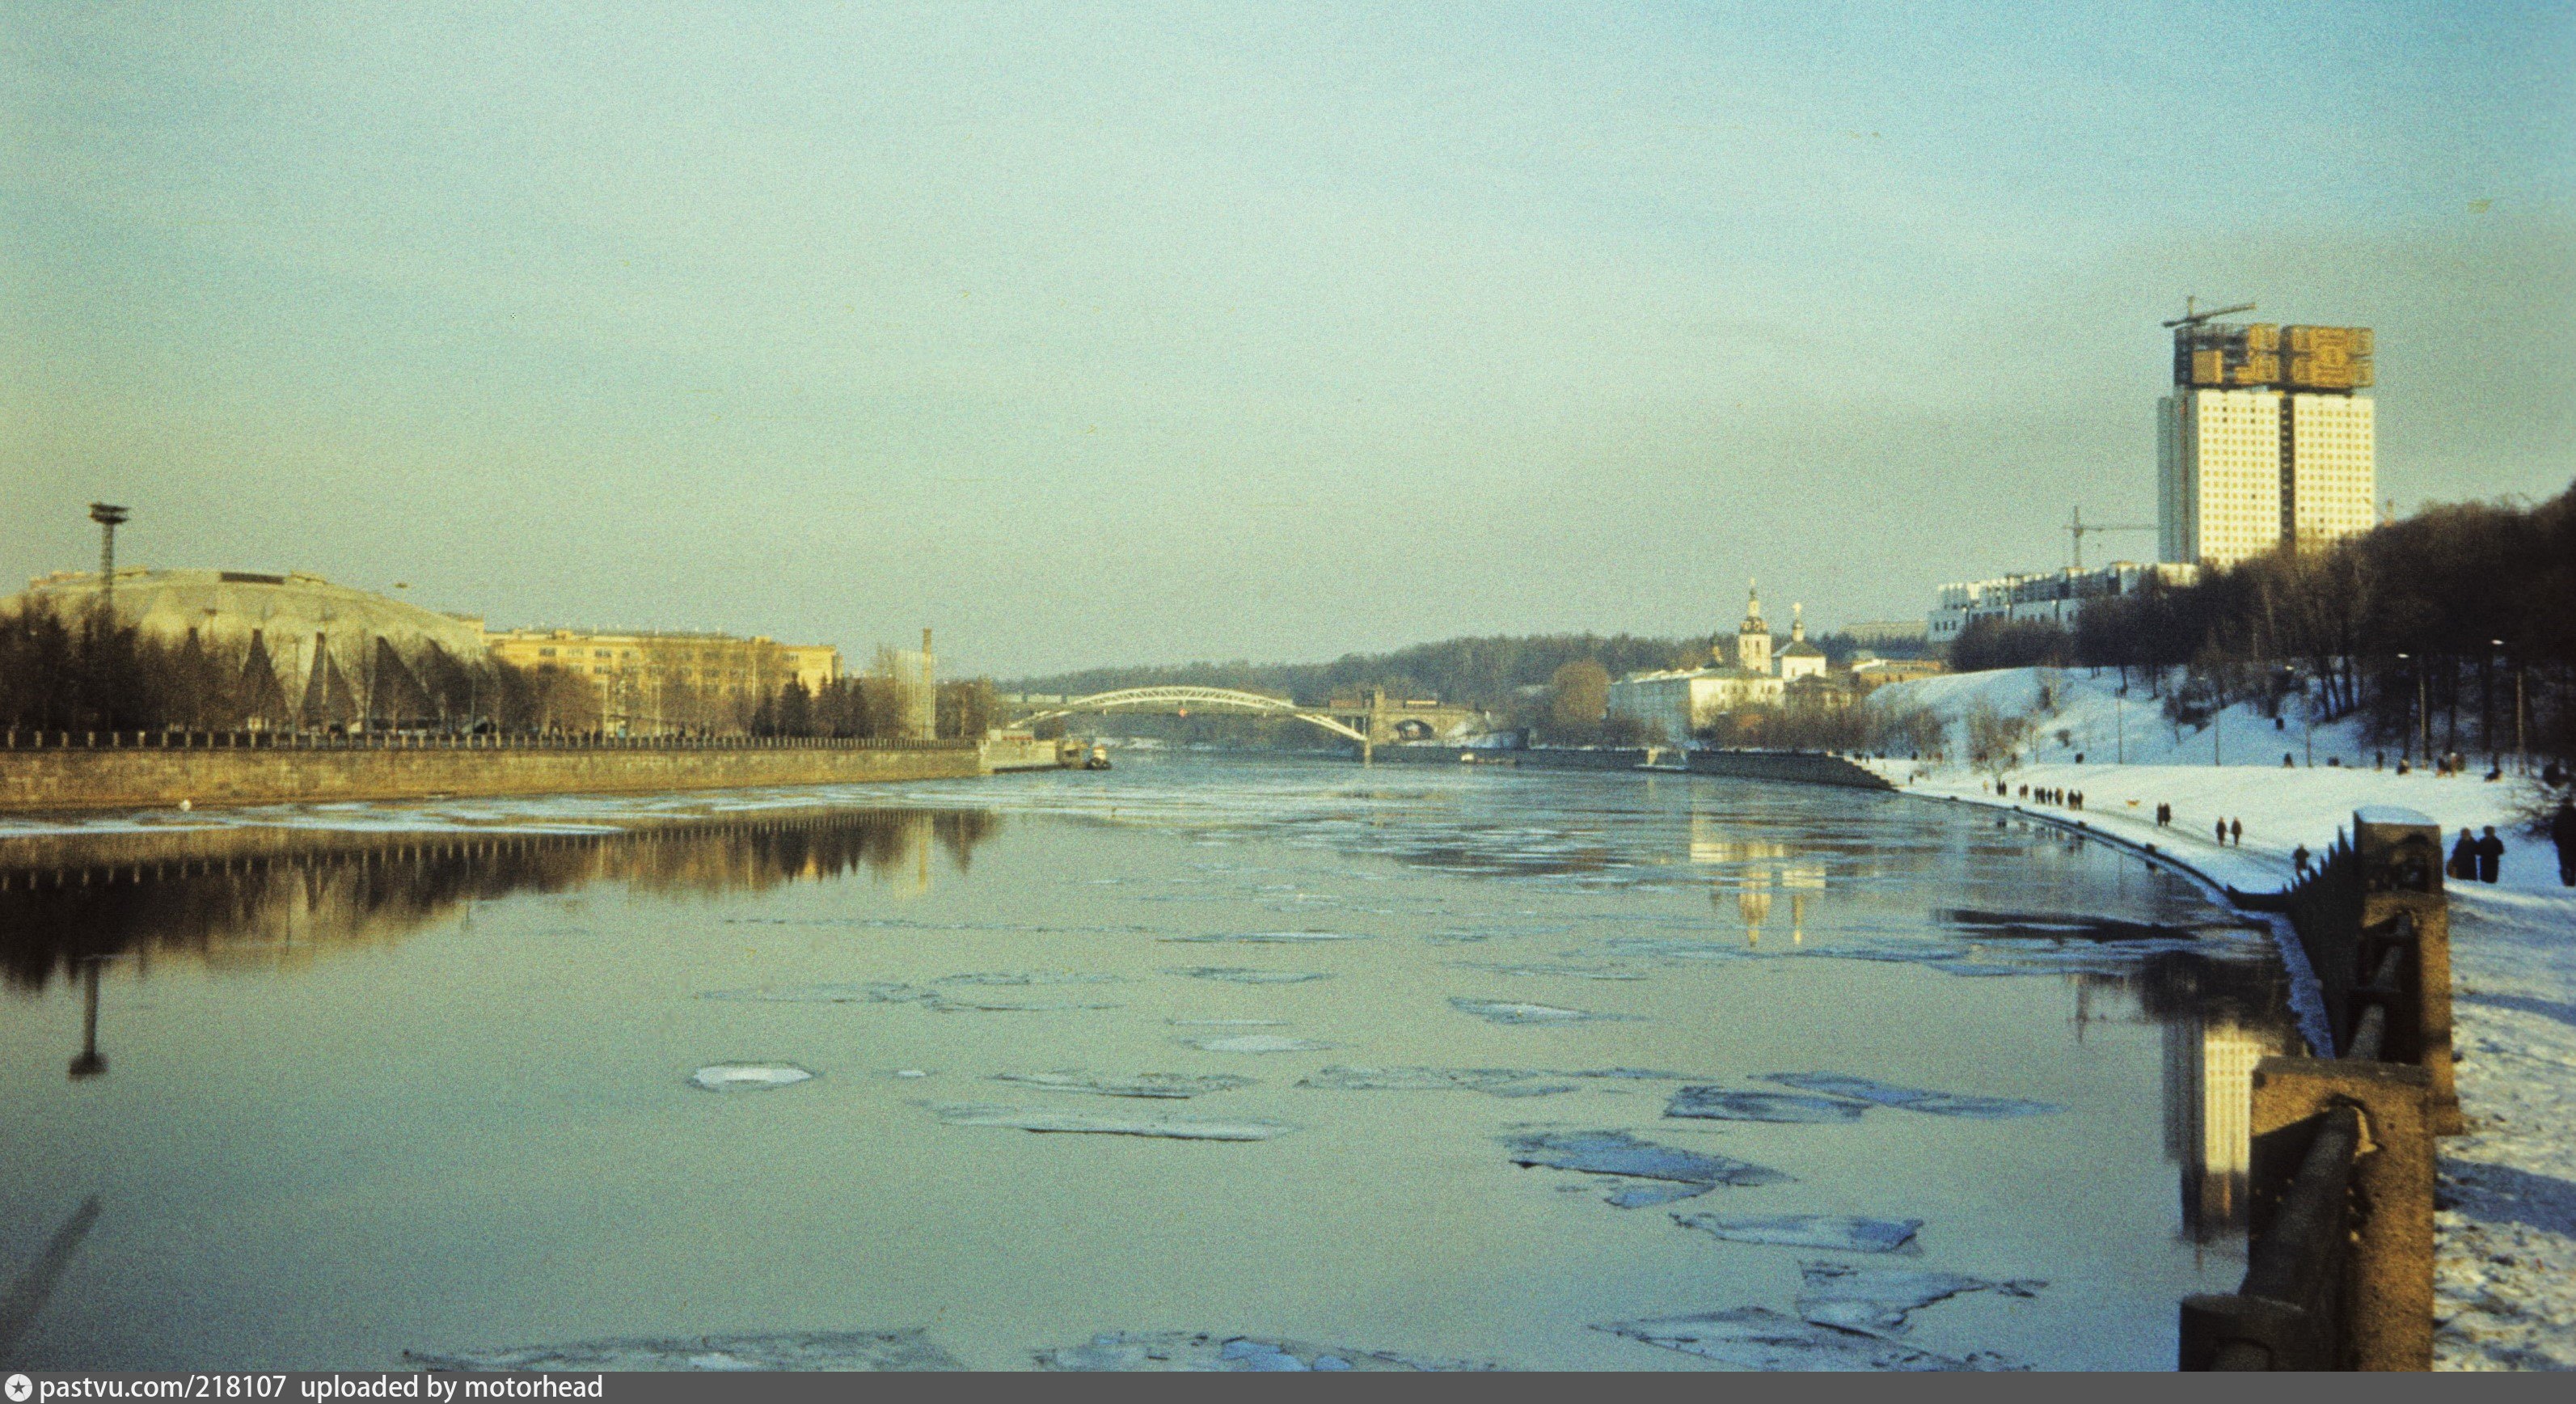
2055 597
2264 441
1681 701
654 682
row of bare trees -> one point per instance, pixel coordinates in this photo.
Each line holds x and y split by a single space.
872 706
90 672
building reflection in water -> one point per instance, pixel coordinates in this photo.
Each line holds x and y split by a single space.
280 896
2218 1019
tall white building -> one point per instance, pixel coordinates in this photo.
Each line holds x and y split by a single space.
2263 441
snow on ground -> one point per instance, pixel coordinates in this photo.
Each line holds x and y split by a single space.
2506 1220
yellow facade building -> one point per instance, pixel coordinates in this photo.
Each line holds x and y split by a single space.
651 683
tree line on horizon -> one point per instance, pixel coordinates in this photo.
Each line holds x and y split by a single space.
2458 621
1505 675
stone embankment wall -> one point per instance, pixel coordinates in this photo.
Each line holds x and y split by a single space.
141 778
1796 767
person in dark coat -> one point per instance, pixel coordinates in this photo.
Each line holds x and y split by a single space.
2562 830
2299 860
2490 855
2236 832
2222 833
2464 858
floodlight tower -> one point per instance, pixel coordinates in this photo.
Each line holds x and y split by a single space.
107 518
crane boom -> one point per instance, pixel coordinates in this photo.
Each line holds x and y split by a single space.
2078 529
2192 316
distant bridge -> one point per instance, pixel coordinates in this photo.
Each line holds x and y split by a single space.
1372 721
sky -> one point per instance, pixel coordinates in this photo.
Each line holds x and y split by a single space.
1110 334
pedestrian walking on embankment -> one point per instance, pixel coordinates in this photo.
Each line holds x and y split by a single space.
2464 858
2236 832
2490 856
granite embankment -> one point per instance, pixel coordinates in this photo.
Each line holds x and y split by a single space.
132 777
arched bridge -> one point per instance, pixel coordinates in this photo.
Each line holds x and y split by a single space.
1178 701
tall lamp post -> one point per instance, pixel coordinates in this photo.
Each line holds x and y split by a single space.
108 517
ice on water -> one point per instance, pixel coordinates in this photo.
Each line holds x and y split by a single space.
807 1350
1914 1098
1268 938
1246 975
1251 1043
1848 1233
1504 1011
1881 1301
1051 1120
748 1077
1152 1084
1618 1153
1758 1338
1129 1351
1723 1104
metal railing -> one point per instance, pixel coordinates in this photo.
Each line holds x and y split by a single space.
173 739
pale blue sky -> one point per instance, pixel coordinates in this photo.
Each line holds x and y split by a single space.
1093 334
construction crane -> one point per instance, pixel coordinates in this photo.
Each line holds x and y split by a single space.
2192 316
2078 530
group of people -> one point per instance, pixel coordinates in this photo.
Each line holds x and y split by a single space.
2231 831
2481 858
2072 799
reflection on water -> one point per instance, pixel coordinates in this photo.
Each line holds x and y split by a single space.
474 1082
306 893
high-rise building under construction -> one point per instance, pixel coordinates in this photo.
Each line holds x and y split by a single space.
2264 439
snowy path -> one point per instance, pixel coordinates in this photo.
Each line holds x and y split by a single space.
2506 1256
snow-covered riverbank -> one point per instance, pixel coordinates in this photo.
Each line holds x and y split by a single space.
2507 1254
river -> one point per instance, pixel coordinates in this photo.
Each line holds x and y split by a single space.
346 1082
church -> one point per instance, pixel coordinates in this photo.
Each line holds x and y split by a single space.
1680 702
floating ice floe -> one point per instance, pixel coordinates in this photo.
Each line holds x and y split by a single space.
1158 1085
1648 1196
1032 977
1201 1350
1499 1082
1677 948
1244 975
1879 1300
1721 1104
1618 1153
1914 1098
1571 972
1848 1233
1252 1043
1759 1338
748 1077
1090 1124
897 992
1502 1011
1268 938
808 1350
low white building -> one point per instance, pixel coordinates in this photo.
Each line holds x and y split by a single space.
2053 597
1680 701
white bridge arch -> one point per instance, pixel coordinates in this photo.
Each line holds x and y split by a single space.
1178 701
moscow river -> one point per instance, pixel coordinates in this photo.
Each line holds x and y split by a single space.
1405 1065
